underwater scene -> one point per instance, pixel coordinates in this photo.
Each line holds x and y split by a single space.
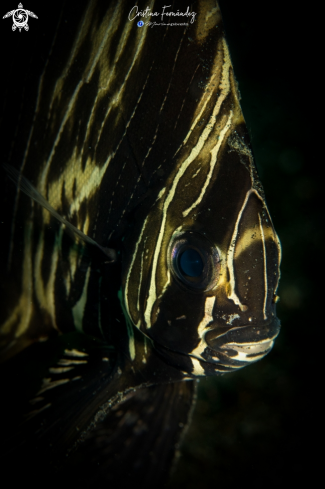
156 173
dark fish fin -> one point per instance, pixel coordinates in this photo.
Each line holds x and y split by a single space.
137 441
25 186
40 428
73 429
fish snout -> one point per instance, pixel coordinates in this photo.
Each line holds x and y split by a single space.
242 345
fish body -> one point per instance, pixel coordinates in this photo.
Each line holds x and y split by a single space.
138 140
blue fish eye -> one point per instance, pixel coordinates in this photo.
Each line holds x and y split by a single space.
193 260
191 263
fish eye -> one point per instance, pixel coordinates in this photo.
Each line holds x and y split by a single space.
194 261
191 263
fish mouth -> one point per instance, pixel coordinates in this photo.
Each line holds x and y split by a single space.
241 345
224 352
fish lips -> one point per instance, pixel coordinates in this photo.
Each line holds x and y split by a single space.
225 352
241 345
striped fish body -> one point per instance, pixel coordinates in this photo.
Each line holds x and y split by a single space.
137 138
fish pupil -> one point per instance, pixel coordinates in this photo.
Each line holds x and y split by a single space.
191 263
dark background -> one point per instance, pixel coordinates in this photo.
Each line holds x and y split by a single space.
261 427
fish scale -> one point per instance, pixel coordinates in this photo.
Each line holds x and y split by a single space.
138 140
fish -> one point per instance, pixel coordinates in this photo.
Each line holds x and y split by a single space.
169 269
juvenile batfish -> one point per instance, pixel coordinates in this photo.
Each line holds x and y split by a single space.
138 145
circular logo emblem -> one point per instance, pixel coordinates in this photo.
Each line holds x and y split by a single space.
20 18
140 23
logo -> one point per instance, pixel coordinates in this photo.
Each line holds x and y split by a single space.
169 16
20 18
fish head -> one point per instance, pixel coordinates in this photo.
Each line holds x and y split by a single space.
204 272
203 268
